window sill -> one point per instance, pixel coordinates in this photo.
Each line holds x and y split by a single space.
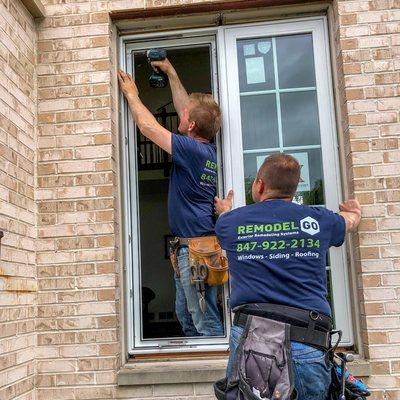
163 372
195 371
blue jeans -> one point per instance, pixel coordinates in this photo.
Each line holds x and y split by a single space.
194 322
312 374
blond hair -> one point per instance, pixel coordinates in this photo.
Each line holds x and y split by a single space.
206 114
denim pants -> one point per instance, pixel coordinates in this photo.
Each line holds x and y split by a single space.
312 374
194 322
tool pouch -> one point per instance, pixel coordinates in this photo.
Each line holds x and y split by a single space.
262 367
207 251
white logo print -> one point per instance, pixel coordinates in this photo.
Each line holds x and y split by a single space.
309 225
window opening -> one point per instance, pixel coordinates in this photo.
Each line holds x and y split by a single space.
158 321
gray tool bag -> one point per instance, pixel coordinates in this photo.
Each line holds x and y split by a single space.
263 364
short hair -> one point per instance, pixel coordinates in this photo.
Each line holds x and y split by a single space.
206 114
280 173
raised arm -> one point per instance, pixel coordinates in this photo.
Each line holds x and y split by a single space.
144 119
350 210
179 94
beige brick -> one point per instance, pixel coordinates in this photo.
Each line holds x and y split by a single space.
390 251
367 158
374 308
387 78
360 80
370 252
386 170
355 94
382 117
382 352
364 132
357 119
385 144
380 91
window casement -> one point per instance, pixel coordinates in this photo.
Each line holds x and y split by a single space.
273 83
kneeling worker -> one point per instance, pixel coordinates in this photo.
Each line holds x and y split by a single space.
191 191
277 253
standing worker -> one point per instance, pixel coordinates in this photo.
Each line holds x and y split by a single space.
277 252
192 188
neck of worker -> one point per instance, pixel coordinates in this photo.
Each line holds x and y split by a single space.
196 137
274 195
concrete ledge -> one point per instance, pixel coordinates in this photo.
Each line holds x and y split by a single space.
35 7
164 372
360 368
195 371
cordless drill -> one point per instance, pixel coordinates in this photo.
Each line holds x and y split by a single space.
157 79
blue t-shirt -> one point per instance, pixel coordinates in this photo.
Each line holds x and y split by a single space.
277 253
192 187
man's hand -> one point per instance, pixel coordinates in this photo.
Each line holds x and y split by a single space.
223 205
350 210
163 65
179 94
351 205
127 85
144 119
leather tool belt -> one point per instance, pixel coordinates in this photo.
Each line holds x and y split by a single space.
308 327
207 263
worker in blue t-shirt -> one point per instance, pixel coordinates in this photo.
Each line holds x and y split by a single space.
192 188
277 252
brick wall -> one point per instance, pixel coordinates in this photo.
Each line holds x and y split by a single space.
77 315
368 54
77 324
17 208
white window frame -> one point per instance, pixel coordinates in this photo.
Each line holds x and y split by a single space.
224 49
135 343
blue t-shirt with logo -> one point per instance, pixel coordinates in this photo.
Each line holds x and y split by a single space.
192 187
277 253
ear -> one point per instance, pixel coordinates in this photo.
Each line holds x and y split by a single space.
192 126
260 187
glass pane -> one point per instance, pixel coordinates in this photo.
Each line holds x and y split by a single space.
252 163
295 61
256 66
300 122
310 190
259 122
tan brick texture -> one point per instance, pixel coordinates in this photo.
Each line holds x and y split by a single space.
59 190
17 207
78 349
